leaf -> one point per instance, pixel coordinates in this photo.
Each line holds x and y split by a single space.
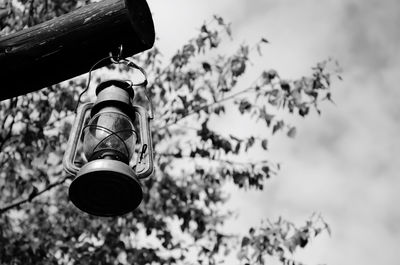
292 132
264 40
252 231
265 169
249 143
204 29
272 74
237 148
238 66
303 241
206 67
329 97
312 93
235 138
265 77
265 116
219 19
259 50
303 111
219 109
244 106
296 95
33 193
285 86
245 241
328 228
278 126
264 144
200 42
163 166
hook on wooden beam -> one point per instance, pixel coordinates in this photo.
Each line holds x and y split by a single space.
48 53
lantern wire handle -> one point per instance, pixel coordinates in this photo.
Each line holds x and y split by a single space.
142 84
89 79
119 60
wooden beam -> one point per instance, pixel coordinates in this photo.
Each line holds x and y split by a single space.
69 45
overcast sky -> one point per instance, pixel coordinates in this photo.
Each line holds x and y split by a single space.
343 164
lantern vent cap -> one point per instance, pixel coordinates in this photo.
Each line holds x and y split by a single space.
123 84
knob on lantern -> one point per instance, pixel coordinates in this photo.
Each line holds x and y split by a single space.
107 185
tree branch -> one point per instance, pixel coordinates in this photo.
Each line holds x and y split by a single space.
215 159
9 133
33 195
205 107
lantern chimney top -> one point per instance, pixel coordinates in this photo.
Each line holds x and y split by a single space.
125 85
117 93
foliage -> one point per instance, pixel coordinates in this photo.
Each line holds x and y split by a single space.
181 215
279 239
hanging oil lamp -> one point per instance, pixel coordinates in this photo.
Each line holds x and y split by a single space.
108 183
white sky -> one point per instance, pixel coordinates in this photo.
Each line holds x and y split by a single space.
343 164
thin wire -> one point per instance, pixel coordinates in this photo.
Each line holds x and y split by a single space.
143 84
89 79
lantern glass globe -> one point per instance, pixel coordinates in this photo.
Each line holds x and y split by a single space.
109 134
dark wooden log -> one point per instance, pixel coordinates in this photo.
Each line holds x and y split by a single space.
69 45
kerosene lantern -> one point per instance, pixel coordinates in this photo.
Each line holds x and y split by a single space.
108 183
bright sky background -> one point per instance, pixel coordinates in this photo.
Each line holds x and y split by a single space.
343 164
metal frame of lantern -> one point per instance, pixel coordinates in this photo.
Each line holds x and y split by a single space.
107 185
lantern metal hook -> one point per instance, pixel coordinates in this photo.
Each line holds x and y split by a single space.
118 57
142 84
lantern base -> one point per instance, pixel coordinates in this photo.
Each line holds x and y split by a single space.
106 188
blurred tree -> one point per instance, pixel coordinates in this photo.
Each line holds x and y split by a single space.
181 217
